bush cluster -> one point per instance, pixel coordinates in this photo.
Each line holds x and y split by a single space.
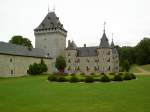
118 78
89 79
105 78
129 76
37 68
61 79
74 79
52 78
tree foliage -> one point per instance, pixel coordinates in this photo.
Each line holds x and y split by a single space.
143 52
19 40
60 64
37 68
140 54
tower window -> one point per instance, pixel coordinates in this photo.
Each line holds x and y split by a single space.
69 60
68 54
87 68
11 72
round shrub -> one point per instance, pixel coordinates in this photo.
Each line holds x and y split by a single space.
102 73
92 74
127 76
82 80
52 78
74 79
120 74
118 78
95 79
105 78
133 76
61 79
73 74
82 74
89 79
112 73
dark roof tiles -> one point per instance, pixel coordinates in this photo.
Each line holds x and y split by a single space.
12 49
104 41
51 21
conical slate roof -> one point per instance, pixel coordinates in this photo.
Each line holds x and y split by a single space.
114 50
51 21
104 41
72 45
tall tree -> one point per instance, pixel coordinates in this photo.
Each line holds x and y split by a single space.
143 52
19 40
60 64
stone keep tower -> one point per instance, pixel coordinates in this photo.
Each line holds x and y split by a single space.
51 36
104 54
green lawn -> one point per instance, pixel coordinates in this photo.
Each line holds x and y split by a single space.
36 94
146 67
134 69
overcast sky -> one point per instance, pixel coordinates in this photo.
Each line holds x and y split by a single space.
128 20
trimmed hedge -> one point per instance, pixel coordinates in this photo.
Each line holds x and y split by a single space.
74 79
82 73
61 79
127 76
118 78
105 78
52 78
89 79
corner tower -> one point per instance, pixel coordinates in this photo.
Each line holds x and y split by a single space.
50 36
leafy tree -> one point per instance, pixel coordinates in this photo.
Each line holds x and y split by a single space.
125 65
143 52
36 68
43 66
60 64
19 40
126 53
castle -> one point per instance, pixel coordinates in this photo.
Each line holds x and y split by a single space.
51 37
50 42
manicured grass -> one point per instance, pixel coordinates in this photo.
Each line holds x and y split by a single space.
146 67
36 94
134 69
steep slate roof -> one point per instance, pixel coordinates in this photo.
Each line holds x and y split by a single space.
12 49
72 45
87 51
114 50
104 41
51 21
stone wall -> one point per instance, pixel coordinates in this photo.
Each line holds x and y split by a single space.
105 61
13 66
53 43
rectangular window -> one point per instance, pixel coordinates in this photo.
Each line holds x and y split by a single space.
11 72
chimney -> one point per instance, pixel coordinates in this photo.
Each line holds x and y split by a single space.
84 45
